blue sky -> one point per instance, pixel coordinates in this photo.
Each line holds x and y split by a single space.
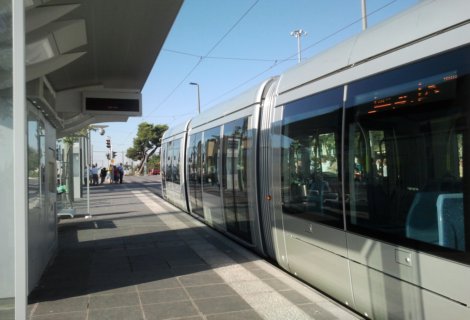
228 46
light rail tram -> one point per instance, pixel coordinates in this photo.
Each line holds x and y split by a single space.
350 170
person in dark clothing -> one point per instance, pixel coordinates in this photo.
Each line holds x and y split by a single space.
103 173
121 172
115 174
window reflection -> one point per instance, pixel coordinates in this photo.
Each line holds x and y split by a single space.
176 162
211 156
195 169
411 151
311 187
236 143
36 163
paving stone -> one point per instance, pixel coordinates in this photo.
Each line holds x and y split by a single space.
295 297
210 291
125 313
165 295
114 300
62 305
200 279
240 315
60 316
159 284
169 310
222 304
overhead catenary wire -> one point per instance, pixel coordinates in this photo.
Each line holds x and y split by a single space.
201 60
289 58
219 58
276 63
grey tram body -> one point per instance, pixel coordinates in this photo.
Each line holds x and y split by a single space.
378 239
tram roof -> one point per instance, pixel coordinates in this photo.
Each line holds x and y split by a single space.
248 98
100 46
421 21
175 130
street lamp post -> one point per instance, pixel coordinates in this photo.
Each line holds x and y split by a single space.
298 34
198 97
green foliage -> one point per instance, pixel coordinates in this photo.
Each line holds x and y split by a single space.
146 142
153 162
74 137
70 140
33 162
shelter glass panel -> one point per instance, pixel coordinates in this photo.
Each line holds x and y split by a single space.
36 164
7 245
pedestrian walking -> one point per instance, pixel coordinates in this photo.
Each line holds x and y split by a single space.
103 174
94 174
115 174
121 172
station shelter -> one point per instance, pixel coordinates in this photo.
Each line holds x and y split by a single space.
64 65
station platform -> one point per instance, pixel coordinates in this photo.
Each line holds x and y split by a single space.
138 257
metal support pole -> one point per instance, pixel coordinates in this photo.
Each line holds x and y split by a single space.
19 216
364 15
87 151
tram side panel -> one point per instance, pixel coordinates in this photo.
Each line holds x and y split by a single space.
172 170
309 191
406 239
211 178
221 172
406 131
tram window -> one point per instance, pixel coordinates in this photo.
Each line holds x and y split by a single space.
211 154
406 131
236 142
176 161
194 166
311 140
163 165
169 168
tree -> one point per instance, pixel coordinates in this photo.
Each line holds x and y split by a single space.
153 162
147 141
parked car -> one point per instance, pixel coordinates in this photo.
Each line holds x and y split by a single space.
154 171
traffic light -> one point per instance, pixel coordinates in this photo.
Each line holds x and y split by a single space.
114 154
108 143
107 156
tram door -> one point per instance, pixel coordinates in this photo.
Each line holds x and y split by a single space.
194 173
312 192
211 195
234 178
